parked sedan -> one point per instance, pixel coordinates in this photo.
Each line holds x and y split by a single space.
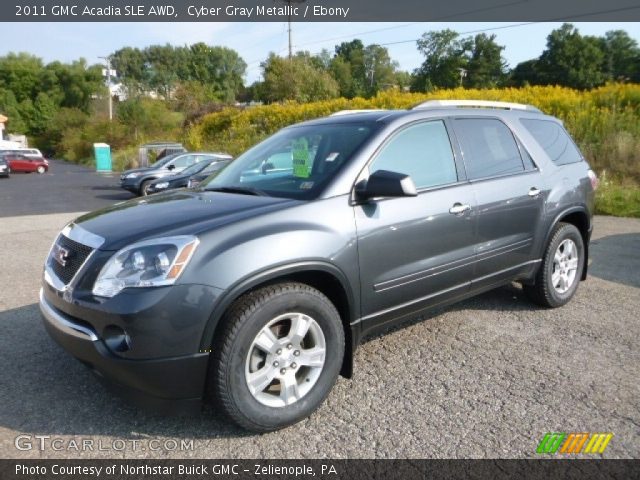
193 174
23 163
139 180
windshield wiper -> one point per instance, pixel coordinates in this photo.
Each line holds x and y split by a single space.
239 190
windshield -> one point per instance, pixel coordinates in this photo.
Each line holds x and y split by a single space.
196 167
296 162
164 160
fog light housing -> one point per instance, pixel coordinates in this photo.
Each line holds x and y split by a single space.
116 339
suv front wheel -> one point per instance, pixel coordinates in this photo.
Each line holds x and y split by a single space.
277 357
561 269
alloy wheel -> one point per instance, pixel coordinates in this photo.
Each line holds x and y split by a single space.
565 266
285 359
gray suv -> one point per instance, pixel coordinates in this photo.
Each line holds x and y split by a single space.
256 288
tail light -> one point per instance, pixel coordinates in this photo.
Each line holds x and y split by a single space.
593 178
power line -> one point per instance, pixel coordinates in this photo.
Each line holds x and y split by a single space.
352 35
502 27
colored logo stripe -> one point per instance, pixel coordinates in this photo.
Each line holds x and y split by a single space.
574 442
598 442
550 442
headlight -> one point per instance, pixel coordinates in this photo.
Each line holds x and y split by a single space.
150 263
133 175
162 185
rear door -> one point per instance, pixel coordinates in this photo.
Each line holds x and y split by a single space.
509 193
415 252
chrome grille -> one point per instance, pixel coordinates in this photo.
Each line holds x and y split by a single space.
73 256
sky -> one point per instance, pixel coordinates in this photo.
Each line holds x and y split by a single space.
254 41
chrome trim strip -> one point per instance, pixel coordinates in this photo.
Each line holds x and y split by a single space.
63 324
440 292
80 235
447 267
52 279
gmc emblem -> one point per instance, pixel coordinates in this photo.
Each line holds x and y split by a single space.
60 255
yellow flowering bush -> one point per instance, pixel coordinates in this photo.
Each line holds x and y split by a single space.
605 122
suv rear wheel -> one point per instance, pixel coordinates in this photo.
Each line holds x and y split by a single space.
561 269
278 356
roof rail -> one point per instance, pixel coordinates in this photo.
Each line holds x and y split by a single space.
349 112
475 104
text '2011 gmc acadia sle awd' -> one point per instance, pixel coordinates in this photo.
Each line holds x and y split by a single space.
255 288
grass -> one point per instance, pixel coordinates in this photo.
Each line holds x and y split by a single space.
618 200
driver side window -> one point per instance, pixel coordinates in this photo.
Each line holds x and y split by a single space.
422 151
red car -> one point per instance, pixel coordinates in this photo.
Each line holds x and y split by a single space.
22 163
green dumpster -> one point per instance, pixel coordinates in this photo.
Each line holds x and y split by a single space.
103 157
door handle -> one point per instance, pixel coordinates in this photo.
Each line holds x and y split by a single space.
534 192
459 208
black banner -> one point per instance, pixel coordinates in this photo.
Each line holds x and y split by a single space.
193 469
317 10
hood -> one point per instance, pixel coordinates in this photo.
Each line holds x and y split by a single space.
174 213
134 170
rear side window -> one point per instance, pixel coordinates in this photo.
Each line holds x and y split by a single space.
423 152
554 140
488 147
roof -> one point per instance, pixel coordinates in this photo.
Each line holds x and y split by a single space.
428 109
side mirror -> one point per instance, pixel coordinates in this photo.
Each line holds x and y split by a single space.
266 166
171 166
383 183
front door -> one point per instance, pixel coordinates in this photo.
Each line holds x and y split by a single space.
416 252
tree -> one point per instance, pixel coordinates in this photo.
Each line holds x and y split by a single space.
348 68
44 112
525 73
622 56
485 67
10 107
572 60
296 79
445 54
379 69
162 68
21 74
362 71
131 69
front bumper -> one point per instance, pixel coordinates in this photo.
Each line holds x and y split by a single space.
173 384
130 184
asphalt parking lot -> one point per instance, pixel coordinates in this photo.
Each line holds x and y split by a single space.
485 378
64 188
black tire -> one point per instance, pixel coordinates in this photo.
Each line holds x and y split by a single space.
244 320
543 291
143 188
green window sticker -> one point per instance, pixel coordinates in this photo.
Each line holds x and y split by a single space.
301 158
